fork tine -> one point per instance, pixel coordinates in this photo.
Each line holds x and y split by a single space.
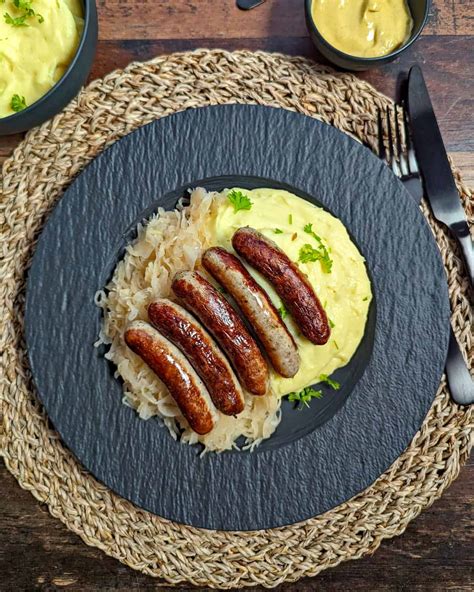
412 164
392 157
381 146
402 157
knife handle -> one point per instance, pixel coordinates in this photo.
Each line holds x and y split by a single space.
461 232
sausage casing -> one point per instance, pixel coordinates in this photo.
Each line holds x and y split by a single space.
176 372
291 285
218 316
257 307
180 327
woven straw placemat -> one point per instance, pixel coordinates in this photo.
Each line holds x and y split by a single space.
33 180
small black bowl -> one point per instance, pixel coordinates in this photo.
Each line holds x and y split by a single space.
419 12
67 87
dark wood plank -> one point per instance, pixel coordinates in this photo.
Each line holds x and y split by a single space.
435 553
168 19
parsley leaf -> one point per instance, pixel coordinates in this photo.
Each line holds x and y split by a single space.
278 231
290 219
365 299
332 383
23 5
18 103
305 396
320 254
309 254
308 228
335 343
18 21
26 6
282 311
239 200
331 324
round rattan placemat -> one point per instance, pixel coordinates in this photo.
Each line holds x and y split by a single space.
34 178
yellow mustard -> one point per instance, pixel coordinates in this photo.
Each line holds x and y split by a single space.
363 28
345 292
38 40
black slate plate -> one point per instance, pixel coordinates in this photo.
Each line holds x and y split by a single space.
318 459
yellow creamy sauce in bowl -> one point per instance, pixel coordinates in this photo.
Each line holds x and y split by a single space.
345 292
363 28
36 48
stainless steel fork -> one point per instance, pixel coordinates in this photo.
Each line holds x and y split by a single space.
401 158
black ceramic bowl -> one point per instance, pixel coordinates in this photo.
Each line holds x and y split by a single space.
419 11
66 88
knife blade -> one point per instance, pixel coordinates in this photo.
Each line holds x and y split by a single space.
438 180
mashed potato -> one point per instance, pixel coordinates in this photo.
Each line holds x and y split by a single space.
35 48
345 292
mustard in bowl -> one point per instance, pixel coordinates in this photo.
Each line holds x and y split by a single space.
361 34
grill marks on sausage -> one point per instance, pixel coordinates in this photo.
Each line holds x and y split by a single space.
256 307
291 285
176 324
213 310
176 372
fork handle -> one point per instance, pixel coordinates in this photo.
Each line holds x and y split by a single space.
461 232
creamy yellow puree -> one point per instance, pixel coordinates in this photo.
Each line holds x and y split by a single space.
34 57
345 292
364 28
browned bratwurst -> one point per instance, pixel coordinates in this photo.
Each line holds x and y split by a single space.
256 307
217 315
175 323
176 372
291 285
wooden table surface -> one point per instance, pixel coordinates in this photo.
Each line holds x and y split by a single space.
436 552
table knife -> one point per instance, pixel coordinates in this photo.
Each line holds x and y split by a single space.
438 180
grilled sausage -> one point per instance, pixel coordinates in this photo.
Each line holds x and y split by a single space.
291 285
177 325
257 308
176 372
217 315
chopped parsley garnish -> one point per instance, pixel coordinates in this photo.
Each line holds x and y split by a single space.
309 230
332 383
365 299
305 396
282 311
321 253
331 324
294 237
290 219
278 231
18 21
335 343
239 200
18 103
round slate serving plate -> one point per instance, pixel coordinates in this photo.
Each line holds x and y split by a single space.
317 459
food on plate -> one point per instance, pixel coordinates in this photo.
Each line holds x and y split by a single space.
289 282
363 28
38 40
215 312
181 328
173 368
257 308
172 242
